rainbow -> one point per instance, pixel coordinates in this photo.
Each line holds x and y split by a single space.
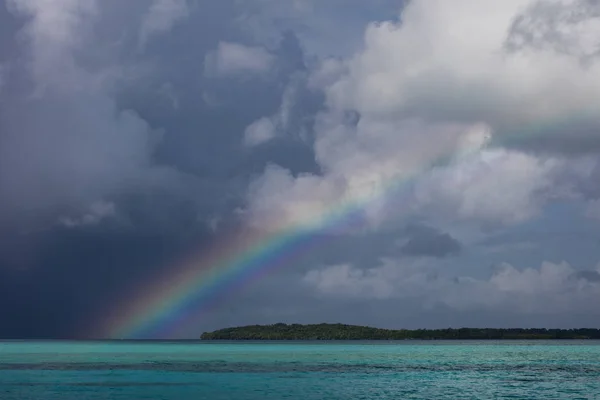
234 261
164 307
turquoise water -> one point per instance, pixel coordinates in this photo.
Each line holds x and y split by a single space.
390 370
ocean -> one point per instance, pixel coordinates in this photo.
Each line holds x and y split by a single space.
299 370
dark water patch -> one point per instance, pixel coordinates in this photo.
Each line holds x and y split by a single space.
283 367
103 384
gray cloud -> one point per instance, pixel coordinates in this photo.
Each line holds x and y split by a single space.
312 21
427 241
97 212
590 276
557 26
548 290
65 142
231 59
161 17
100 119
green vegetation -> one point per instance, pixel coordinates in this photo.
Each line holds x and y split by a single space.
354 332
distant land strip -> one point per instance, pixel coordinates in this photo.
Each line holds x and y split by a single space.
355 332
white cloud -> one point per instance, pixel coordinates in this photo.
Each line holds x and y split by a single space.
569 27
96 213
161 17
277 199
260 131
326 73
234 59
376 167
266 128
435 87
551 288
449 61
495 186
348 281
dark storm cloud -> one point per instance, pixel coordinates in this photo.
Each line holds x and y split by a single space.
64 142
59 283
116 159
424 240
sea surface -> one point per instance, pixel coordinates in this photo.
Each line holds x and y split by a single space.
300 370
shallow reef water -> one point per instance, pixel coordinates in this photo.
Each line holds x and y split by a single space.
131 370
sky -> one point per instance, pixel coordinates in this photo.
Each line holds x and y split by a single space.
138 134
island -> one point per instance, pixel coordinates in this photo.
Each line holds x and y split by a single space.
283 331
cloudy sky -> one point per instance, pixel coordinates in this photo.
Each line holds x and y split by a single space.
464 135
